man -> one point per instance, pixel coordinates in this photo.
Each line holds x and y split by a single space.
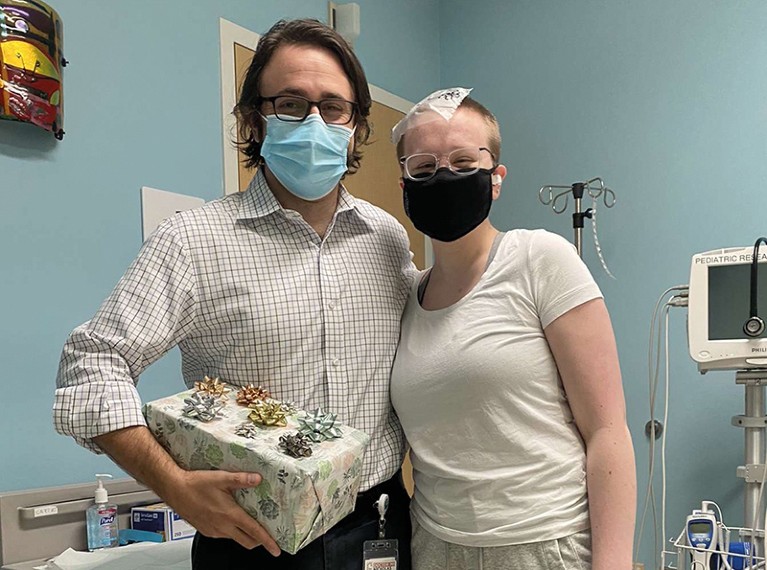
293 284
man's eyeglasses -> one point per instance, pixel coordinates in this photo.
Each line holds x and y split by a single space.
462 161
295 108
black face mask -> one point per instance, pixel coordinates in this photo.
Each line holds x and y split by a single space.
448 206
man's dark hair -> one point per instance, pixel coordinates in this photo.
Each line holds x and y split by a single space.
306 32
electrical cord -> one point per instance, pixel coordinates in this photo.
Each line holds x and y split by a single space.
754 325
725 548
664 435
653 371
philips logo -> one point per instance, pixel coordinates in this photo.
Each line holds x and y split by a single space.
107 520
762 349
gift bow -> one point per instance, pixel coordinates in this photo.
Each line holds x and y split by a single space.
319 426
251 394
296 445
212 386
202 406
247 429
270 413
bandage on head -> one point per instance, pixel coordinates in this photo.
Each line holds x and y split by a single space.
440 105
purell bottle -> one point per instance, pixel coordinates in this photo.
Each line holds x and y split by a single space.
101 519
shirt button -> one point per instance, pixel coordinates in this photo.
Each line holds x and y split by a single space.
336 362
332 305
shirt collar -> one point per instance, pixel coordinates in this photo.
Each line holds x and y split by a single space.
258 201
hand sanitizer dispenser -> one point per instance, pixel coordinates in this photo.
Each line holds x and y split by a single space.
101 519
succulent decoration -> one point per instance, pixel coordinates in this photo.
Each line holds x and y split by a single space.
269 508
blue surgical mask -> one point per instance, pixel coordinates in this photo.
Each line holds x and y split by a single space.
307 157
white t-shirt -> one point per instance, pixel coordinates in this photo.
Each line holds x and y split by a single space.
496 455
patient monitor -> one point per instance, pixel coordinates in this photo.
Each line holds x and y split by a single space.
722 303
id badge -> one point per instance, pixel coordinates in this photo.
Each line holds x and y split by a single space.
381 554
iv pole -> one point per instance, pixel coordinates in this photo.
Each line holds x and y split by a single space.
577 189
754 420
753 472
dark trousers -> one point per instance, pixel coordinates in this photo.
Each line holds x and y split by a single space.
339 549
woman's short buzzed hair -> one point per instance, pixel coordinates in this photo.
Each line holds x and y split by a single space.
494 142
311 33
494 130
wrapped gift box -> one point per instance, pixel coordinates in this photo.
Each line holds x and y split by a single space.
298 499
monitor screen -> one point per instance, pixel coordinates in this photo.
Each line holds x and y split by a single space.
719 304
729 299
701 527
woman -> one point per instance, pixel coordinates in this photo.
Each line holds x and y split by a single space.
506 379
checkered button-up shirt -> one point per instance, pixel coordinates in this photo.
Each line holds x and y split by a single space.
251 294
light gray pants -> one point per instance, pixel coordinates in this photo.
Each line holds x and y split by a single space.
569 553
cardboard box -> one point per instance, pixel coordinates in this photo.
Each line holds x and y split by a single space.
299 499
162 519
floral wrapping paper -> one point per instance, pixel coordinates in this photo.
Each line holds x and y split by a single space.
298 500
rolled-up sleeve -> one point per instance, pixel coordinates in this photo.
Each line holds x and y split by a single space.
151 310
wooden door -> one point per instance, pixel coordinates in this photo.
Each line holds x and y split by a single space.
378 178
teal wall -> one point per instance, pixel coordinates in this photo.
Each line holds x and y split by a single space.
664 100
667 101
142 102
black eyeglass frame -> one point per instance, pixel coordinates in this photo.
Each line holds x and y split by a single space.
309 107
403 160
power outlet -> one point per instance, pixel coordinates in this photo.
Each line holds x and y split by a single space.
637 566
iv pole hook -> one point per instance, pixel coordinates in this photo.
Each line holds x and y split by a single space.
595 187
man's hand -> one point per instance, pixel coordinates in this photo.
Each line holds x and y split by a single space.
204 500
